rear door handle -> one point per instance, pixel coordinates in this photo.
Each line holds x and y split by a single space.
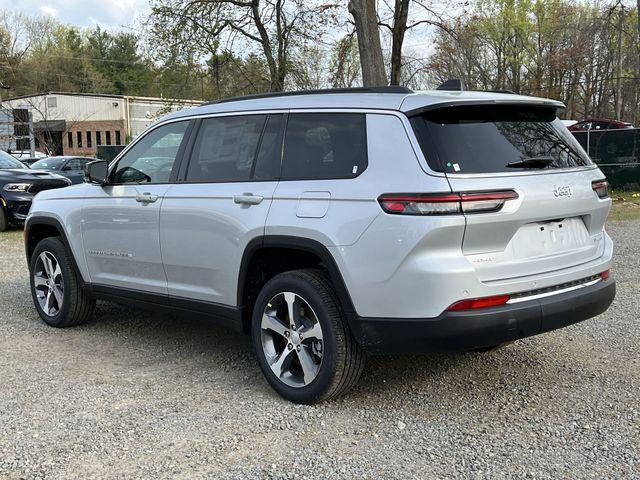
248 199
146 198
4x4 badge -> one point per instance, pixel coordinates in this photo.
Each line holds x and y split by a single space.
562 191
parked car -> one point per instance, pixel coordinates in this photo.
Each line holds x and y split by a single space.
330 224
599 124
569 123
18 185
25 156
70 167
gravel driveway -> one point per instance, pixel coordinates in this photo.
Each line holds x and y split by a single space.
141 395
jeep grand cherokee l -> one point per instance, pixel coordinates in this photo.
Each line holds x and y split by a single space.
331 224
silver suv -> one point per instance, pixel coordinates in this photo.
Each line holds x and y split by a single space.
330 224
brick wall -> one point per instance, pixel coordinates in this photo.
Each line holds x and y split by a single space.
108 128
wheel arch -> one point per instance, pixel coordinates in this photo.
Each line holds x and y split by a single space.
311 249
37 229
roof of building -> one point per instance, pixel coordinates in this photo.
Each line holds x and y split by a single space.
375 99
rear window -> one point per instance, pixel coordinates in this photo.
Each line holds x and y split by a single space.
324 146
486 139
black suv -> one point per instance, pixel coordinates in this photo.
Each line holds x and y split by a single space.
18 185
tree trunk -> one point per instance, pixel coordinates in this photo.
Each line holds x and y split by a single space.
400 15
276 84
618 95
366 20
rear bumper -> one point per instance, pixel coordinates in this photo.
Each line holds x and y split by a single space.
467 330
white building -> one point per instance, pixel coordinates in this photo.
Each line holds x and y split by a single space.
76 123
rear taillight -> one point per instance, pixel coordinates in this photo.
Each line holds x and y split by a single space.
476 303
601 187
444 203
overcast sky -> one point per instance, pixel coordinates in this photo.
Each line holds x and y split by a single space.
84 13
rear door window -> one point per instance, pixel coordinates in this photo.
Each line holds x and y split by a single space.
489 139
324 146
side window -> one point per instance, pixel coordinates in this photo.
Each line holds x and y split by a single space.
152 158
267 166
74 164
325 146
225 149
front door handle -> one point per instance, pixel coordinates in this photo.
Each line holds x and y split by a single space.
146 198
248 199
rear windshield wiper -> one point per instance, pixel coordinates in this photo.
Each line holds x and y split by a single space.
531 162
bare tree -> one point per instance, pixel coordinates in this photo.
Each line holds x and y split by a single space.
401 24
276 27
371 60
345 64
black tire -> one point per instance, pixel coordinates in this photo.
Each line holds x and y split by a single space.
342 360
3 219
77 307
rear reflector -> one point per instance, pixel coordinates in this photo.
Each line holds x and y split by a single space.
601 187
475 303
606 274
444 203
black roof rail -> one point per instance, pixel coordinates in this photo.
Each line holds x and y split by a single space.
453 84
388 89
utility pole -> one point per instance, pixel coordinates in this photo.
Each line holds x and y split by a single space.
619 64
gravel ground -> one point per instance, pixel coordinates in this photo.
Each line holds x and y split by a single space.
141 395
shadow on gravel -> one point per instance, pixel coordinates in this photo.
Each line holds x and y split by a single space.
195 348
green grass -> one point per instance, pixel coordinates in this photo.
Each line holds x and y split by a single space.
626 205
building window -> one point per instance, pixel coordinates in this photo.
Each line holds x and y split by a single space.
118 139
79 138
89 145
107 135
70 139
98 139
52 102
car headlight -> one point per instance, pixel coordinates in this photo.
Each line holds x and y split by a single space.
17 187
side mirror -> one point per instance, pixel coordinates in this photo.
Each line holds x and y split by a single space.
96 172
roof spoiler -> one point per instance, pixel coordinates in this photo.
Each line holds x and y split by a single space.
453 84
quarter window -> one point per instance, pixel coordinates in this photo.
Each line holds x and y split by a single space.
152 158
324 146
225 149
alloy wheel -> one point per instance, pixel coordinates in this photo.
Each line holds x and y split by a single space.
48 284
291 338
